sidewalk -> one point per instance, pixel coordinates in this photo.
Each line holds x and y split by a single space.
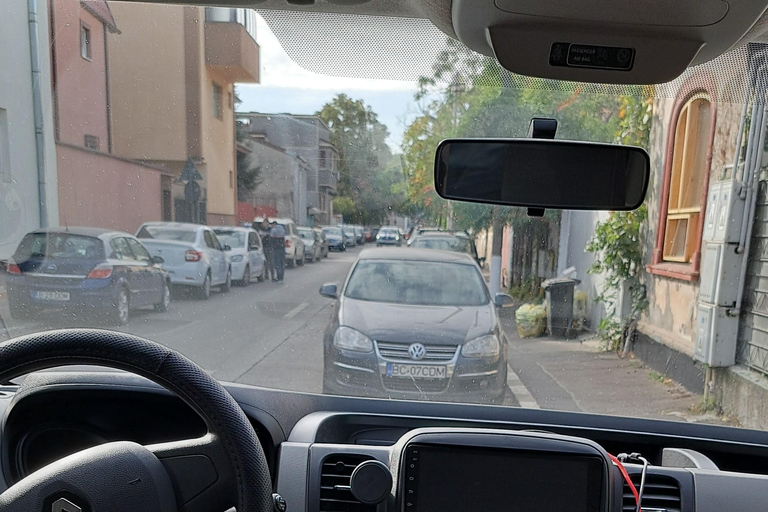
575 375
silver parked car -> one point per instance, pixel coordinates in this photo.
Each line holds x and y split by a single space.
313 246
192 255
246 255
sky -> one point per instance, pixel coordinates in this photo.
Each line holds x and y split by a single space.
290 89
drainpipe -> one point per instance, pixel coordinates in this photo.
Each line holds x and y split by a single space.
37 109
751 204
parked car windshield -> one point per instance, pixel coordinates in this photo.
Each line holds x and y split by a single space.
163 233
454 244
59 246
423 283
234 239
175 117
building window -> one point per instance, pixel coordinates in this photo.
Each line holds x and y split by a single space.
686 180
92 142
323 159
85 41
683 200
217 113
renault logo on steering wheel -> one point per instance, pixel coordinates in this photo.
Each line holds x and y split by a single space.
417 351
64 505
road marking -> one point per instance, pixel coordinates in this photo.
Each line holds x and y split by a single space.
295 311
516 386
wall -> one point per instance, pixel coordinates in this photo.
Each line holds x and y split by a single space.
218 147
147 82
19 199
81 86
99 190
278 174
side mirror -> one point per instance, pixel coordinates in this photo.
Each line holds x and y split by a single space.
481 261
254 247
502 299
330 290
227 247
157 260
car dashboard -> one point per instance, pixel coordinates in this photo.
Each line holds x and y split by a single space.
338 454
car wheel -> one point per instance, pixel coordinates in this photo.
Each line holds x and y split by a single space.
246 276
291 263
300 261
224 288
165 301
120 310
263 275
205 290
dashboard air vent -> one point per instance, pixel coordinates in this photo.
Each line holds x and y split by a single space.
661 493
335 493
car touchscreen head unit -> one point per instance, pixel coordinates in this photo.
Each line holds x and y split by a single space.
447 478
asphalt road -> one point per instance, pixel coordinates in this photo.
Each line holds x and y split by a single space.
271 335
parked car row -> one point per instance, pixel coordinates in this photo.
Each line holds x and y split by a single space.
109 273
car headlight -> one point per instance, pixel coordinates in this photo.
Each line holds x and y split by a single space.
378 237
237 259
484 346
347 338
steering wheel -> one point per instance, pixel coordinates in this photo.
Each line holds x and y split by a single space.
224 468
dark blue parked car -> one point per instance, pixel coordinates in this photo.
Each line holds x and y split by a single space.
103 272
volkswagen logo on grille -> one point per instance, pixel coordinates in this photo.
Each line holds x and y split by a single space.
417 351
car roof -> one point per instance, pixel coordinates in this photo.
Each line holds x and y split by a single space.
233 228
81 231
275 219
411 254
177 225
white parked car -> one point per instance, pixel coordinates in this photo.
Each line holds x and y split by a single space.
294 245
246 255
192 254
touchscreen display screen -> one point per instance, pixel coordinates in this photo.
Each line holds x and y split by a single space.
448 478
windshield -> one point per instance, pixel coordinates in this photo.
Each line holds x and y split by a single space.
161 233
171 117
62 246
234 239
444 244
423 283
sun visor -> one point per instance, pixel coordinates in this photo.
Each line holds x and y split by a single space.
603 41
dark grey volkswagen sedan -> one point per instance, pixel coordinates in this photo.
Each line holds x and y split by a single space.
415 323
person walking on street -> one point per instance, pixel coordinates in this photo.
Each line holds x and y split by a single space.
277 234
267 242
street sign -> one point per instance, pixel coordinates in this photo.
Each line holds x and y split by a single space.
190 173
192 191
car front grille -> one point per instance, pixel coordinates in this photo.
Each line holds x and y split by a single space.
393 351
414 385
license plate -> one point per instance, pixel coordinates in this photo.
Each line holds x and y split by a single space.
45 295
415 371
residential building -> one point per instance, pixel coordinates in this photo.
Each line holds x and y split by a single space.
172 74
28 182
308 139
96 186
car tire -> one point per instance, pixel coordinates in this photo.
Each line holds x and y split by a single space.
165 301
300 261
246 276
204 293
291 263
499 400
119 313
224 288
263 275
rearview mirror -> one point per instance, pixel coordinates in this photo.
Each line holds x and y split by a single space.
157 260
329 290
503 299
227 247
542 173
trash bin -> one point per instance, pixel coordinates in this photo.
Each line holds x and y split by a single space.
559 294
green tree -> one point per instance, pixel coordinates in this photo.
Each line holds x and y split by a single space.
368 172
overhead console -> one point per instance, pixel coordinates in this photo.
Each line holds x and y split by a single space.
604 41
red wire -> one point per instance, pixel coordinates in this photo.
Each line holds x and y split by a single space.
626 477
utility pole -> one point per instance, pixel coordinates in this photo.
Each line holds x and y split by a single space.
498 239
456 89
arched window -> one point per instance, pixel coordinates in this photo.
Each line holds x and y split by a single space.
687 178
